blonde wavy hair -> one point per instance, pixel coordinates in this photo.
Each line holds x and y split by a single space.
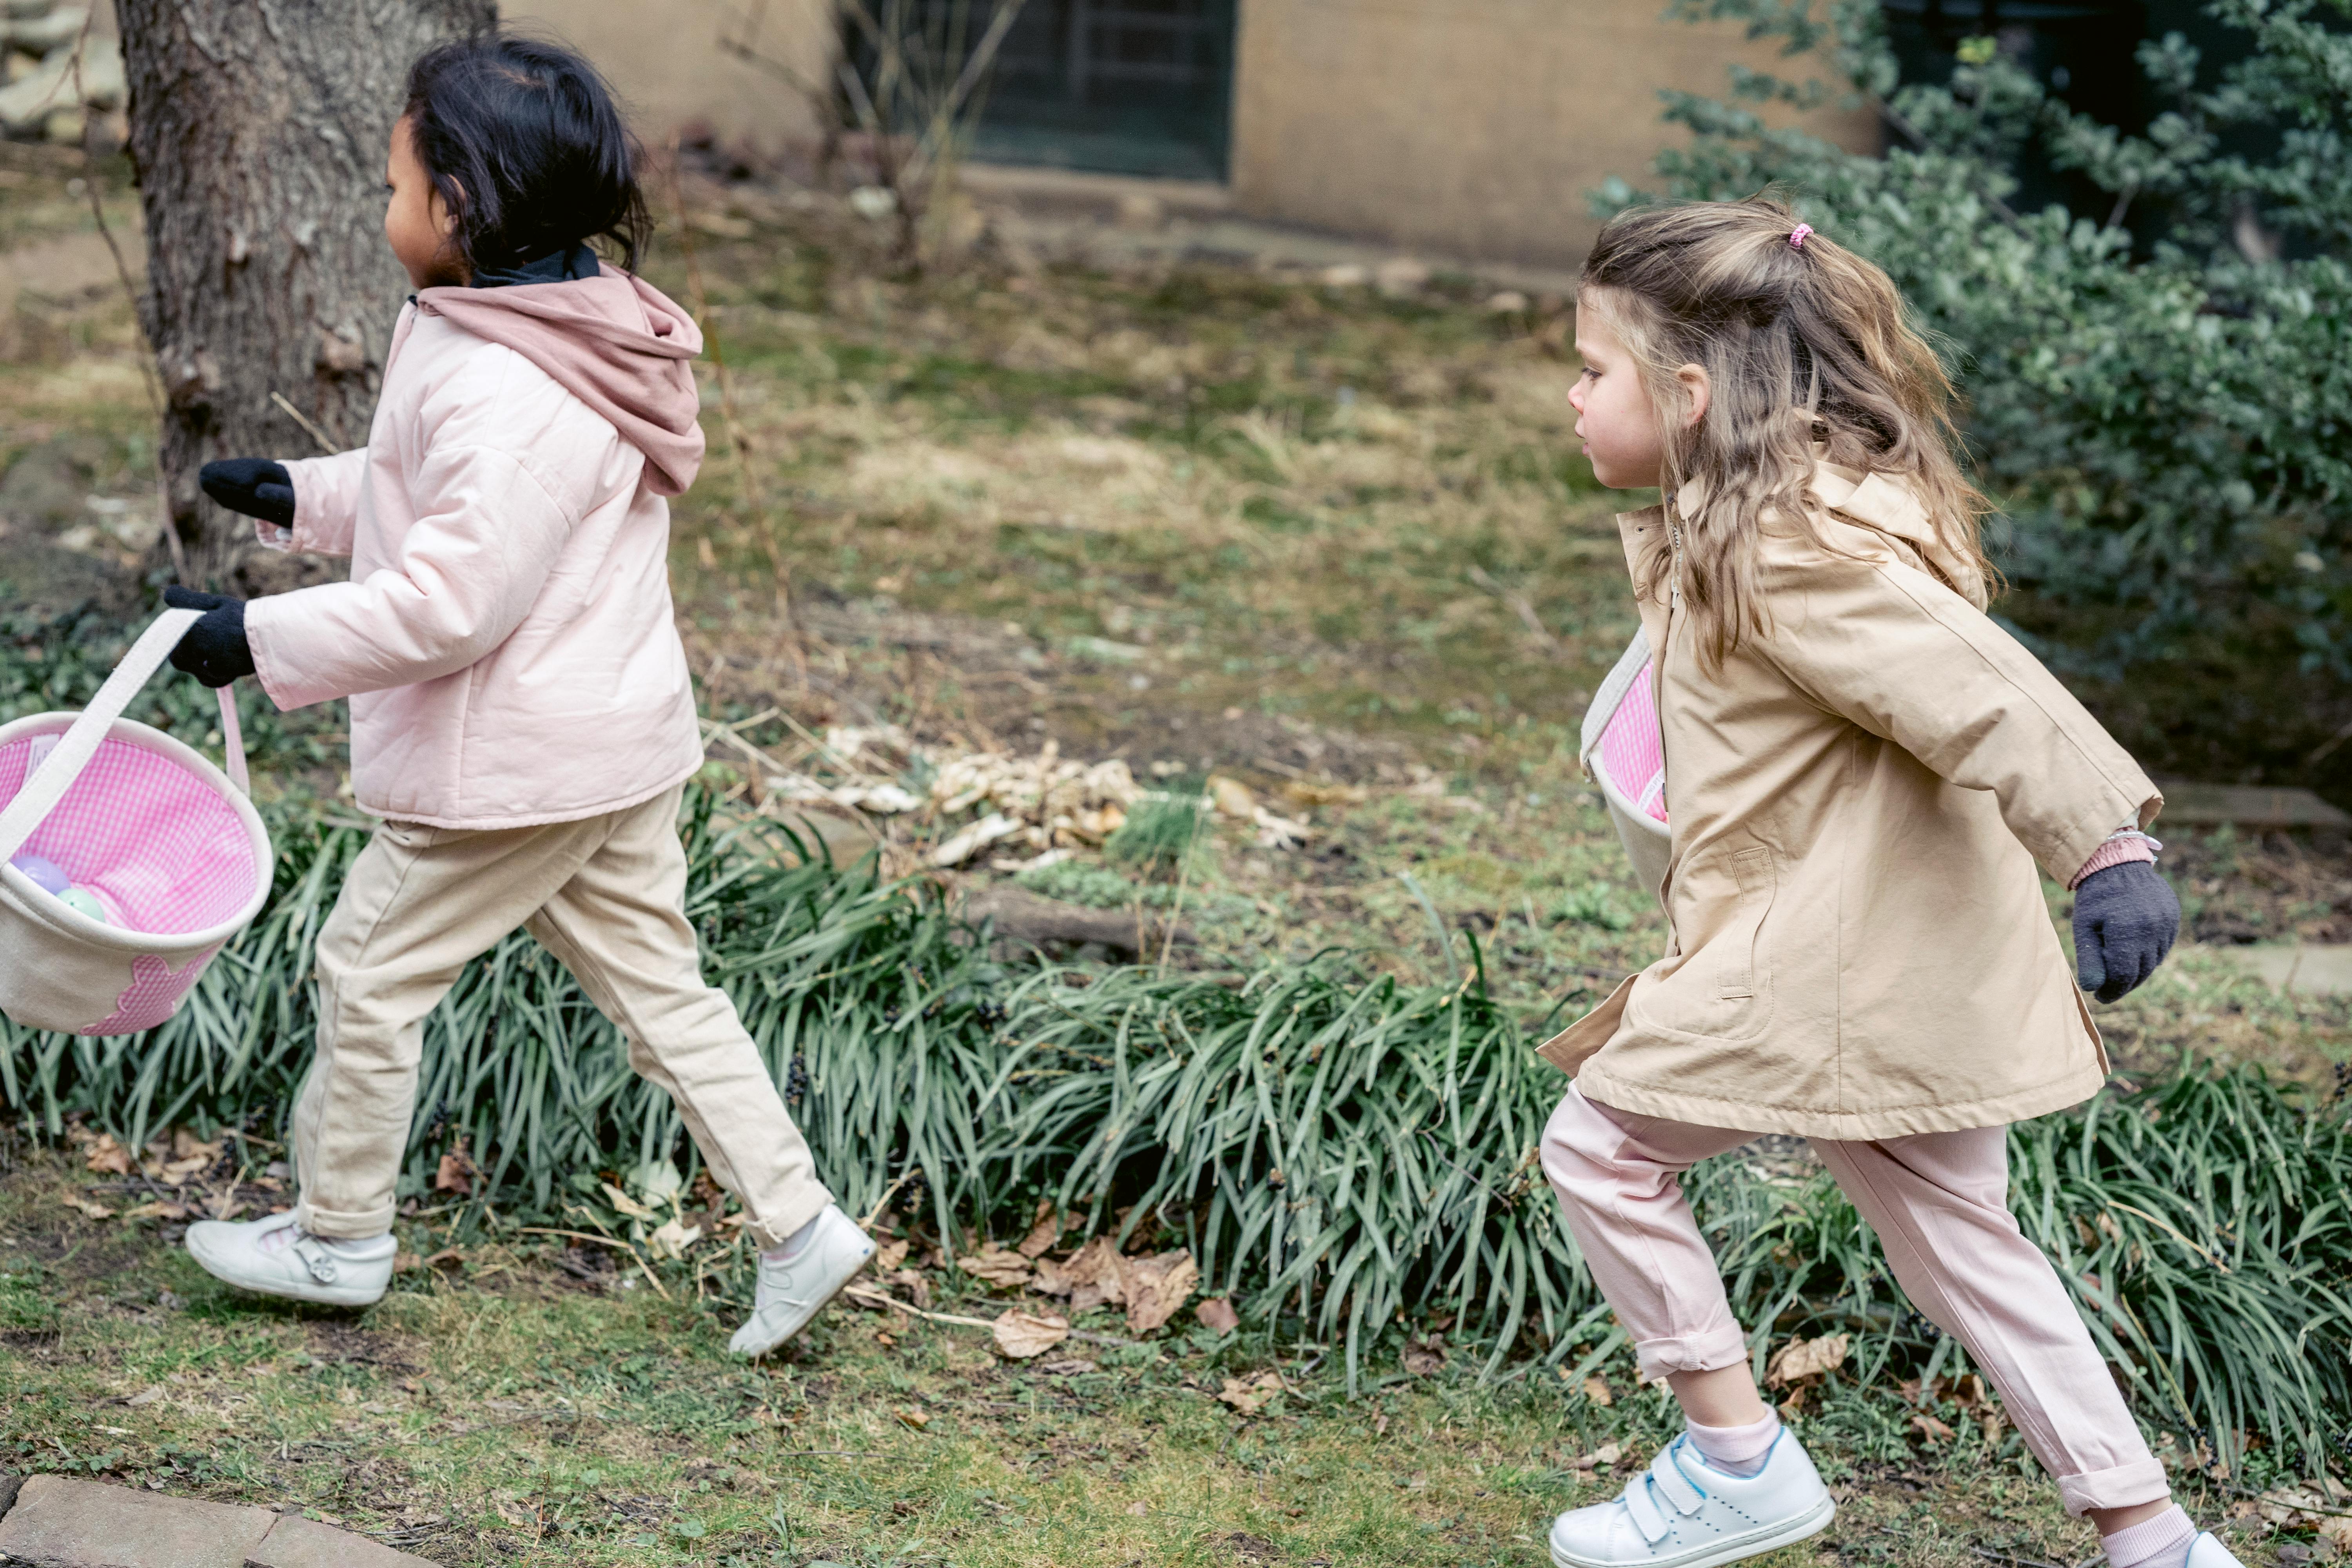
1807 353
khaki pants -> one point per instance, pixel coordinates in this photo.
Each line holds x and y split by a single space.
605 895
1939 1203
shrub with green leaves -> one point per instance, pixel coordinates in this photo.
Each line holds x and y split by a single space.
2161 389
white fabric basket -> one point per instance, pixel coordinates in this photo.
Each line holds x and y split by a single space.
166 843
1621 751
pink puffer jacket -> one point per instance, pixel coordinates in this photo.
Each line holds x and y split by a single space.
506 637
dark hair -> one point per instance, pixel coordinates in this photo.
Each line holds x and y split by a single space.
526 147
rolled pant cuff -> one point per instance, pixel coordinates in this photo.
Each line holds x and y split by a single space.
341 1227
803 1208
2125 1486
1700 1352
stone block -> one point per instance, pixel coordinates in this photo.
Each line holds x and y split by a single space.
2317 969
298 1542
60 1523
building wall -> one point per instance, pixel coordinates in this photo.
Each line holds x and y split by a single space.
1456 128
1469 128
667 60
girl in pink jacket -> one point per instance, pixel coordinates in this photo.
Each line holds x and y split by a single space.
521 717
1861 771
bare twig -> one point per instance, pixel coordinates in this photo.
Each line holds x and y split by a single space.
2327 748
887 1194
874 1298
302 419
1516 603
602 1241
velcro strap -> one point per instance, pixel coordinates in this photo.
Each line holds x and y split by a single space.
318 1259
1647 1518
1678 1488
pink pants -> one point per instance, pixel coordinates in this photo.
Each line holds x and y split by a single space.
1939 1203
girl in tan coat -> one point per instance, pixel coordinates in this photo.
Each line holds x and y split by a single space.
1862 772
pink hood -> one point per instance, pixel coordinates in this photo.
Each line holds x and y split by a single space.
615 342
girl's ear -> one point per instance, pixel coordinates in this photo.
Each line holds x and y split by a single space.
1693 381
444 218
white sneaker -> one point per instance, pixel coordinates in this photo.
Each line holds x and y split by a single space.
793 1291
2205 1551
1682 1512
273 1257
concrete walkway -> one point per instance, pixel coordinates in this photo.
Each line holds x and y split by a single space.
2315 969
53 1522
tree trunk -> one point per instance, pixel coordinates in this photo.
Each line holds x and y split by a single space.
259 130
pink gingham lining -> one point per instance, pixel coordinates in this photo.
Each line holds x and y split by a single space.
150 838
154 993
1632 754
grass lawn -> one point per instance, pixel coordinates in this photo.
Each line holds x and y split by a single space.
496 1409
1332 544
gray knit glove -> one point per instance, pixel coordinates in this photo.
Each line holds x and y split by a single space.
2126 919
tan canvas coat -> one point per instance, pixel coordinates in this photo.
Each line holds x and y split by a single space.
1859 947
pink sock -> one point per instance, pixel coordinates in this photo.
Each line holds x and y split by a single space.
2160 1542
1737 1450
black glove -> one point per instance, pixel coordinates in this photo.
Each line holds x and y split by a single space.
215 650
254 486
2126 919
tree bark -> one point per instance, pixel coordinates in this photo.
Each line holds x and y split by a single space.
259 130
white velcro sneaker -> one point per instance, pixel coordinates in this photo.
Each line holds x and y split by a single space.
1682 1512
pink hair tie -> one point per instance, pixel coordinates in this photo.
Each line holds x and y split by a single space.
1797 236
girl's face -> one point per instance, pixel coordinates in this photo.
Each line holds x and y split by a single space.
1615 416
417 221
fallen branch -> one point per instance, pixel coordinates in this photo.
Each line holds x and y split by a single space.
873 1298
1024 916
602 1241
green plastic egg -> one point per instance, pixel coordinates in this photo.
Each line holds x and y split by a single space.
82 901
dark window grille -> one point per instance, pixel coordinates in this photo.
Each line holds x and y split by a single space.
1140 87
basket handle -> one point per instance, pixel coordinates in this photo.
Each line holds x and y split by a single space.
55 772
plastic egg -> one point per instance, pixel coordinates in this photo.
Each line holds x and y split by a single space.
82 901
45 874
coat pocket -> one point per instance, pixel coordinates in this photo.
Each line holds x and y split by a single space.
1745 969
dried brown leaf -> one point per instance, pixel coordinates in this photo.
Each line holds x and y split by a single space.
997 1264
1043 1234
1596 1389
1425 1358
88 1209
1601 1459
457 1175
916 1420
1217 1315
1933 1430
1251 1394
890 1257
1020 1335
186 1145
1156 1287
107 1155
1807 1358
1093 1277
